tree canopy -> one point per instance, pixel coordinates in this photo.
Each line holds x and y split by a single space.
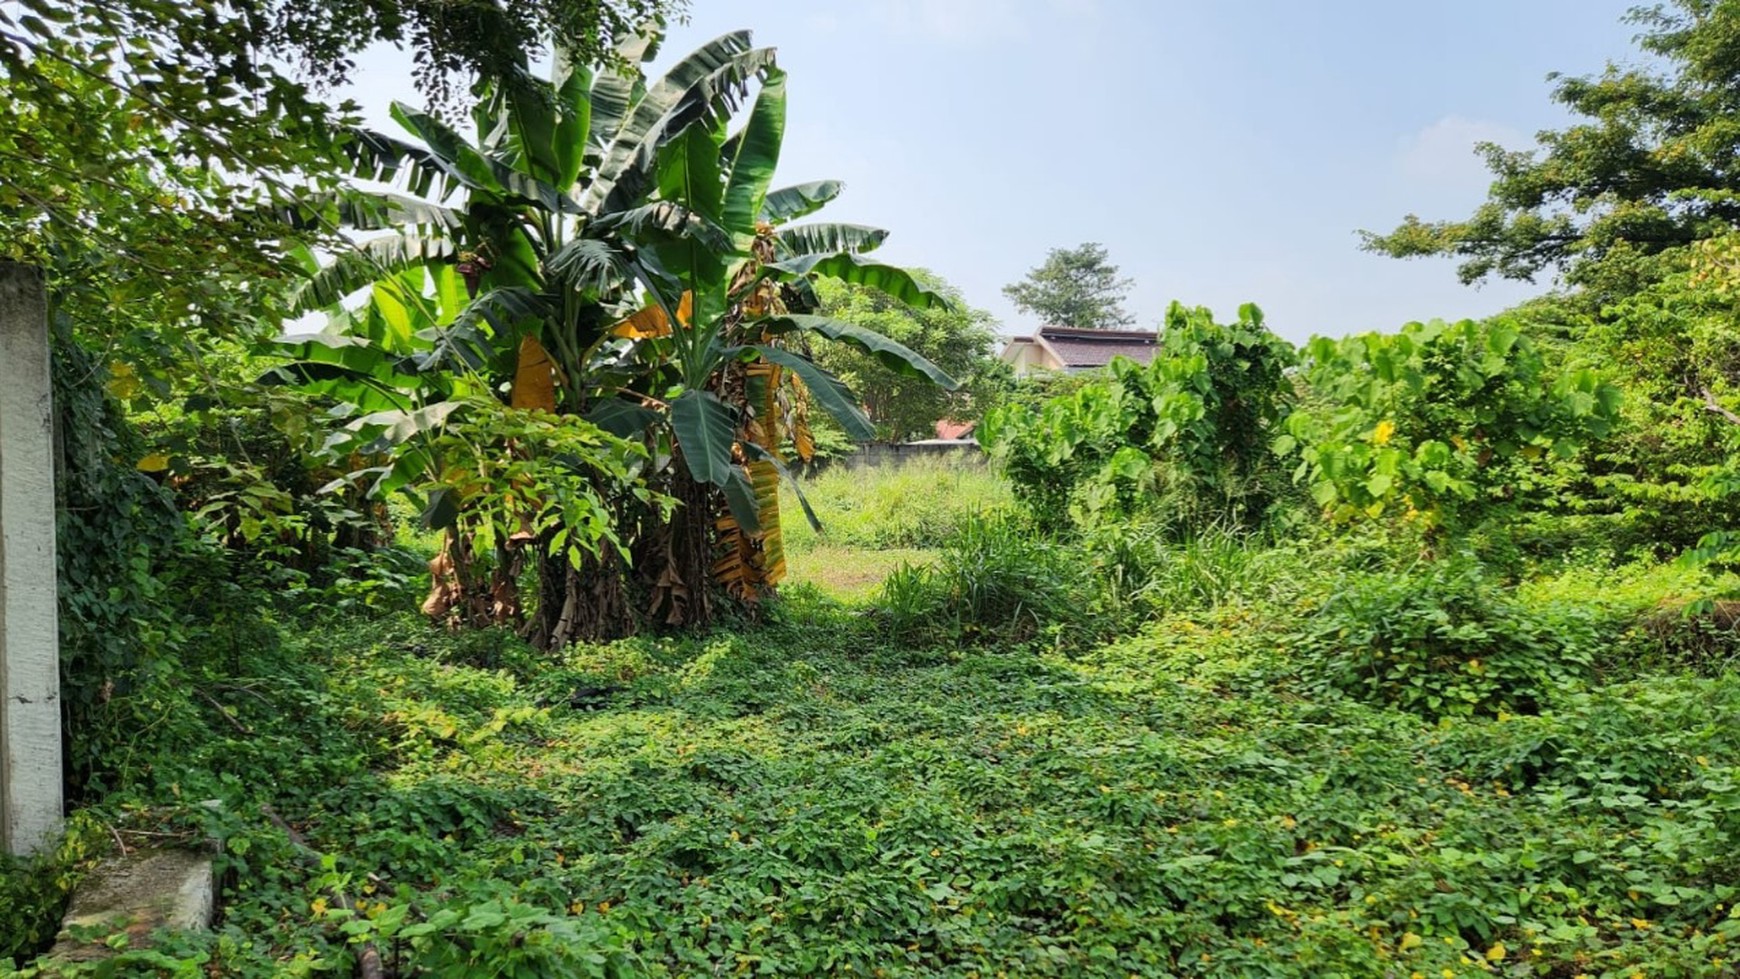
127 128
959 339
1650 165
1075 287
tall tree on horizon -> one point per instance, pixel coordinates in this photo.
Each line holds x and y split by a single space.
1649 165
1075 287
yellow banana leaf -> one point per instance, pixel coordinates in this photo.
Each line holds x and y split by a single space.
534 378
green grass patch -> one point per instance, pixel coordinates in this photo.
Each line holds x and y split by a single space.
850 574
920 504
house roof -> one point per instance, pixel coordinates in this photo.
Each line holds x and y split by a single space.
1078 349
949 429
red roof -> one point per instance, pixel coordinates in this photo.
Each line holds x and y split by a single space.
947 429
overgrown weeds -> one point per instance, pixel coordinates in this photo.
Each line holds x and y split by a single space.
919 504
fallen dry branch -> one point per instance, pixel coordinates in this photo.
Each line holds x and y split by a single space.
1715 407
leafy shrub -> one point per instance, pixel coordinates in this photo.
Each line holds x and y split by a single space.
500 936
995 580
1446 641
1186 436
34 893
1443 422
1653 616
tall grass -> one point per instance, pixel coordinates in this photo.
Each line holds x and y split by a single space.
921 504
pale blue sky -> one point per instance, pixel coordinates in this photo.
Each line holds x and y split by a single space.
1223 152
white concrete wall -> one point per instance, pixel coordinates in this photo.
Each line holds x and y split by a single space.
30 748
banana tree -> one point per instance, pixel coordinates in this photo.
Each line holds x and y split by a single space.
485 271
605 249
728 329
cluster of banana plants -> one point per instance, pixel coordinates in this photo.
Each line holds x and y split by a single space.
582 336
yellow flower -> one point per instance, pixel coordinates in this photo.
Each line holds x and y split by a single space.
1496 953
1381 434
319 906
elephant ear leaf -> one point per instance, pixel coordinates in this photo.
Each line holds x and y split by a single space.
888 279
895 356
706 428
740 497
623 419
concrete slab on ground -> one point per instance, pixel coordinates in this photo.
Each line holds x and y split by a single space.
136 894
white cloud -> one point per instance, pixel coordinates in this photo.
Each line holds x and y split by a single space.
1443 154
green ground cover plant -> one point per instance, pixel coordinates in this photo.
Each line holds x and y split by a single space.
816 797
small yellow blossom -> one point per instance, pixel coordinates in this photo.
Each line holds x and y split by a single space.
1384 430
1497 952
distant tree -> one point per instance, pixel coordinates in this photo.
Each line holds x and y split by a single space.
961 340
1076 287
1652 165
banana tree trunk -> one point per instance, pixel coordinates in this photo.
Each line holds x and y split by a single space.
588 603
669 585
680 561
464 595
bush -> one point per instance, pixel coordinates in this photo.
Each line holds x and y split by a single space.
1653 616
995 580
34 893
1184 439
1446 641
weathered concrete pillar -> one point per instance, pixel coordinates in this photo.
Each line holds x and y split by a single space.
30 748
